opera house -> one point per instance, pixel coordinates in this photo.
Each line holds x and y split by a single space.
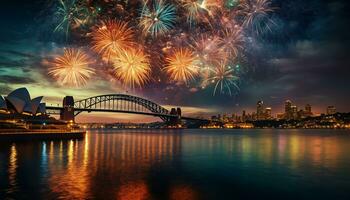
19 102
18 111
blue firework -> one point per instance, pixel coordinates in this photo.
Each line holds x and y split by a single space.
157 19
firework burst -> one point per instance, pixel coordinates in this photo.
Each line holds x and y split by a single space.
232 41
182 65
209 52
158 19
196 8
111 38
72 68
191 38
193 10
132 68
223 79
256 14
71 15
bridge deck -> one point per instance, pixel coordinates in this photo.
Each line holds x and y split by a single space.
53 108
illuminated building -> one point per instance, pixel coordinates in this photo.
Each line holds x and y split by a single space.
268 113
308 108
19 102
294 112
244 118
288 110
331 110
260 114
307 112
280 116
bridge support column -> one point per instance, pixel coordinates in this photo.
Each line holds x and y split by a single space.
175 121
67 114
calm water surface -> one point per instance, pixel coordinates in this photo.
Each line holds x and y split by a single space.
180 164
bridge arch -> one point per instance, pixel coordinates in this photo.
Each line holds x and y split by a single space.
122 103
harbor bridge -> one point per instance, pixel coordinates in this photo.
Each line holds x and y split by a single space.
118 103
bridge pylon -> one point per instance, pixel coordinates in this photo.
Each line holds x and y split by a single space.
175 121
67 113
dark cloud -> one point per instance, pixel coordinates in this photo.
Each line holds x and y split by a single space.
7 79
5 89
11 52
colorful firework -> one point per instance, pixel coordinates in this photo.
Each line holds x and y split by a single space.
132 68
196 8
232 41
111 38
256 14
158 19
182 65
224 80
231 3
209 51
70 15
72 68
193 9
219 32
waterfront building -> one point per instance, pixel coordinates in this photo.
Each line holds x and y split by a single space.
308 108
331 110
20 102
294 112
268 113
307 112
244 117
260 110
288 110
280 116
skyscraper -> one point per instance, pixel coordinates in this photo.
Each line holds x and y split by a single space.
244 118
260 110
308 111
331 110
268 112
308 108
288 114
294 112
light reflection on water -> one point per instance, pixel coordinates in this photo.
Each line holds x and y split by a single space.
180 164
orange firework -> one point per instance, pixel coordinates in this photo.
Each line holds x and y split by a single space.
182 65
112 37
132 67
72 68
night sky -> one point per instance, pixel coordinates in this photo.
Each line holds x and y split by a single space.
303 58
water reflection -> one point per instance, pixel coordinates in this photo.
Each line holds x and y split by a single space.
12 170
189 164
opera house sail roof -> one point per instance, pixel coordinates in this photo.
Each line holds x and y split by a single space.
2 103
19 101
